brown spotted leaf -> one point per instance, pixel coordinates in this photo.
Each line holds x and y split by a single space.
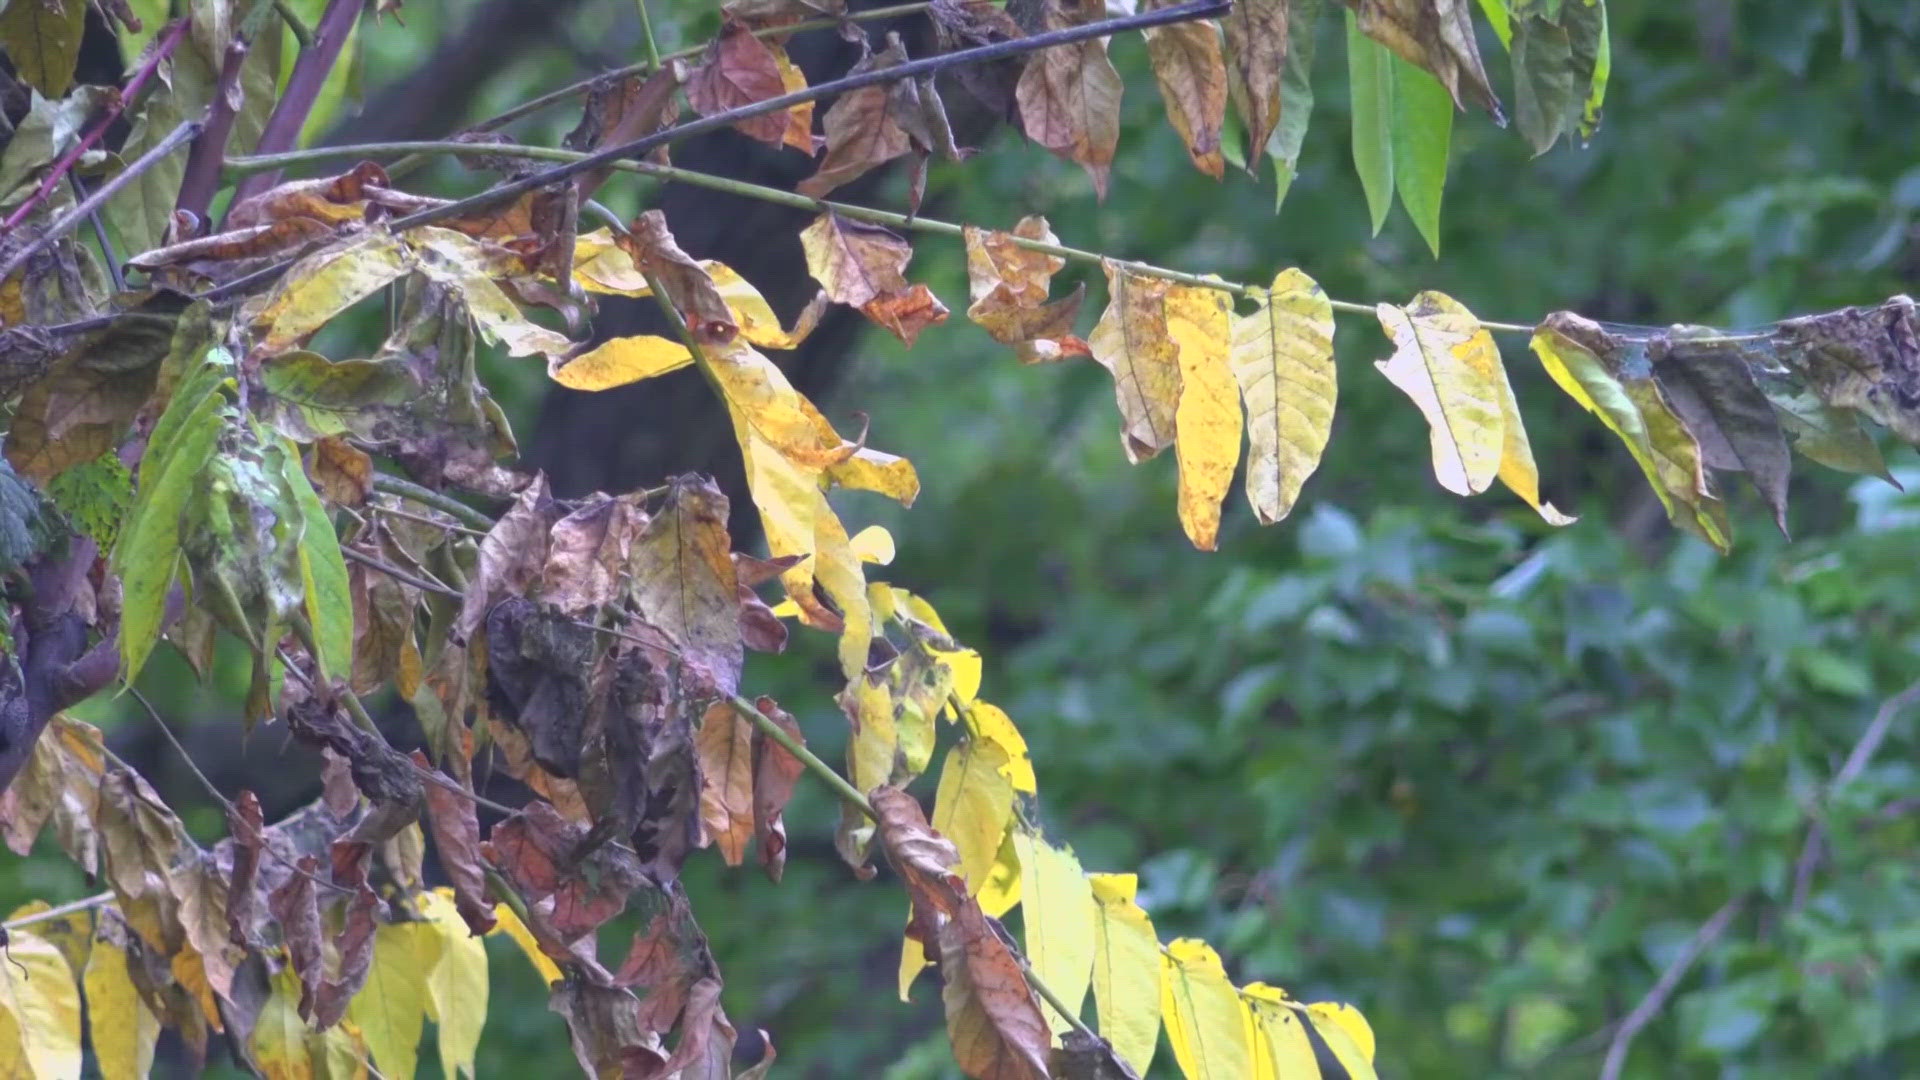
535 849
864 266
588 551
862 130
684 583
775 771
1007 287
1069 100
993 1019
1256 57
1187 64
1132 342
725 746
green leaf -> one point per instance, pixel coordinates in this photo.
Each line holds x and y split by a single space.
42 38
1833 437
95 496
1370 73
149 548
141 211
1496 13
1296 94
323 572
49 129
1422 136
26 529
1586 23
1543 78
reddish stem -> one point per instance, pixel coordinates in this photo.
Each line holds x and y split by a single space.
168 39
303 88
202 175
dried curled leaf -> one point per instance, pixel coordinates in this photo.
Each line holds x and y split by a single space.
1187 64
1069 100
864 266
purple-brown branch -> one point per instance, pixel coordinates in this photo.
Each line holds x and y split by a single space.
202 175
310 73
168 39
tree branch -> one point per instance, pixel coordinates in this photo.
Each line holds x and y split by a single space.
1856 763
87 206
202 175
1656 998
168 39
303 88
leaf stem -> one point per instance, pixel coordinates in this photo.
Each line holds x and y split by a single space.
394 485
301 33
646 28
826 773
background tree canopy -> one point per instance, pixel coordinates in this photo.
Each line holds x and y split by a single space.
1485 779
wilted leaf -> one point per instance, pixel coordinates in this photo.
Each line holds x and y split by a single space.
725 746
1007 287
775 770
1131 341
1193 77
39 1009
1069 100
1206 1023
1126 969
1544 94
1207 420
684 583
1083 1055
1717 398
456 839
862 131
1866 359
141 839
1436 35
1256 62
512 556
354 945
1833 437
588 553
738 70
1448 364
625 109
1283 361
461 264
993 1019
864 266
1586 22
926 861
689 287
535 848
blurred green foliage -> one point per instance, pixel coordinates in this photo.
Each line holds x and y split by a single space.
1402 750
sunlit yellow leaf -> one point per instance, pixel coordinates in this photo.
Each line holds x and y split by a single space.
1347 1034
1132 343
873 544
328 282
1448 364
619 361
457 985
391 1009
285 1048
120 1026
1057 911
836 569
973 804
1203 1013
506 922
1126 970
1002 889
1282 1049
755 316
1207 420
868 469
965 665
760 394
39 1010
462 263
989 721
1517 468
1283 360
913 961
601 265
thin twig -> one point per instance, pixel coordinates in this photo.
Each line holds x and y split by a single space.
1863 750
1656 998
108 190
55 912
394 485
168 39
399 575
646 29
301 32
394 511
310 73
107 254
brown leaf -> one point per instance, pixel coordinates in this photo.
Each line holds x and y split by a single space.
515 758
863 131
588 551
326 199
602 1025
234 252
965 24
384 648
684 583
512 556
1193 83
925 860
770 14
624 110
196 881
646 741
141 840
864 266
535 849
993 1018
906 314
1132 342
1069 99
1008 285
60 783
775 770
739 70
725 746
667 958
342 471
1866 359
297 914
688 285
1256 56
1083 1055
244 821
1436 35
456 837
355 949
538 666
379 771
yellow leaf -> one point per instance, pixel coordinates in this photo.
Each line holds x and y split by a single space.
1132 343
755 316
867 469
1002 889
1126 970
461 263
328 282
284 1048
1448 364
913 961
1203 1013
391 1008
1347 1035
761 395
1517 468
619 361
1058 914
1207 420
457 985
1283 360
601 265
39 1010
873 544
973 805
837 571
965 665
989 722
1282 1049
120 1026
874 741
506 922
